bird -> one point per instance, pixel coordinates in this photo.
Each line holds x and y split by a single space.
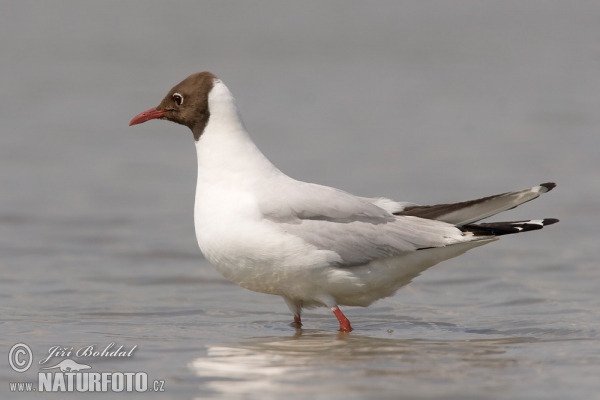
313 245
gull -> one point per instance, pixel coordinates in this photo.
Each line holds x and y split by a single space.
313 245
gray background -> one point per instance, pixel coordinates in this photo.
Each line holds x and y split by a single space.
423 101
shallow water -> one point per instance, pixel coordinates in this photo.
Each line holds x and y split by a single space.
424 102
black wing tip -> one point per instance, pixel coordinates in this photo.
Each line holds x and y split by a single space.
550 221
506 228
548 185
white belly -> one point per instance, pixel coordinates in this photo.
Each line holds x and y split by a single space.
251 251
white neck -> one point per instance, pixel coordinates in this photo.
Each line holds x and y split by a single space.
225 150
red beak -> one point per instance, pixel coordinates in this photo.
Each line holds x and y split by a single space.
152 113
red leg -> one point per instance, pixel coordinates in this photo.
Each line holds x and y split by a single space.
344 323
297 321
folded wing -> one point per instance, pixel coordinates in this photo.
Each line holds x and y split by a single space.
470 211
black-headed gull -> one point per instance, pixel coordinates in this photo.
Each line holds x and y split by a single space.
313 245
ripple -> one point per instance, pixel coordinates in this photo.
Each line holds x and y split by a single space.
519 302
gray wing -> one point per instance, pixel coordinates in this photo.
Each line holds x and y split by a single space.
354 228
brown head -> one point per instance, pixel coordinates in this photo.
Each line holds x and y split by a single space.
186 104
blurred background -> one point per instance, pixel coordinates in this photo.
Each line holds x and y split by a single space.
428 101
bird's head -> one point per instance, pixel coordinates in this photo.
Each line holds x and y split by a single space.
186 104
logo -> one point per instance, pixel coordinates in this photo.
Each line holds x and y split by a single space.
69 366
68 375
20 357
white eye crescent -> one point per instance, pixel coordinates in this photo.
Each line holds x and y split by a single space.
177 98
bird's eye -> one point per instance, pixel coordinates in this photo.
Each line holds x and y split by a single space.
177 98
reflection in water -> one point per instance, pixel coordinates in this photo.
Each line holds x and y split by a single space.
309 358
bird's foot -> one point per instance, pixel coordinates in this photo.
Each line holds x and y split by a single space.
297 322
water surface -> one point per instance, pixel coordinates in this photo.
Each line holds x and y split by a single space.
417 101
